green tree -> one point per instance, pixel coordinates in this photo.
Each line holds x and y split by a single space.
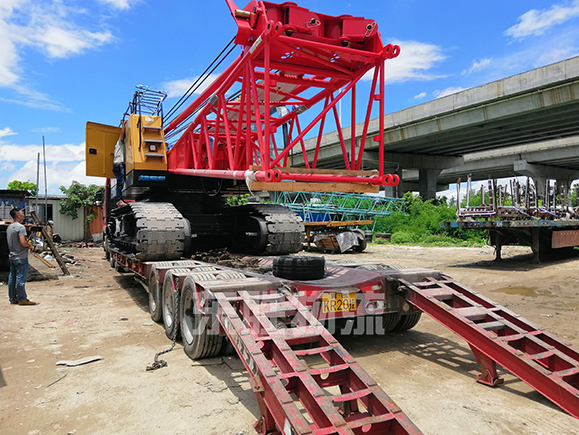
420 223
78 195
23 185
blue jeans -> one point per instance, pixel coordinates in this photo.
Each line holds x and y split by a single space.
17 280
119 171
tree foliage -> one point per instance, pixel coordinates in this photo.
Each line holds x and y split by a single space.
78 195
23 185
420 224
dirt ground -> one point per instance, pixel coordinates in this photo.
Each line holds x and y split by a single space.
428 371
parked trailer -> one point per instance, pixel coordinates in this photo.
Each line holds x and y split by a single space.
281 330
541 235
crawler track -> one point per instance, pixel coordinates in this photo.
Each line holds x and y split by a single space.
151 231
269 229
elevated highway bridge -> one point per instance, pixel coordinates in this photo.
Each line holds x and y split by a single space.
526 124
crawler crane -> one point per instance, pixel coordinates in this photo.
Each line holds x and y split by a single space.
179 173
277 318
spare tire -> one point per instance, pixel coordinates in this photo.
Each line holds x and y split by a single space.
302 268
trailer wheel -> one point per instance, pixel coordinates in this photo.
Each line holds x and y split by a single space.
170 307
301 268
199 340
362 244
227 348
408 321
390 320
154 297
106 247
119 267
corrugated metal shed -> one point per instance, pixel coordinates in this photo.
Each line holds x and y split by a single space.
69 229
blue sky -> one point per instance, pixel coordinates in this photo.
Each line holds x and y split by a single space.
65 62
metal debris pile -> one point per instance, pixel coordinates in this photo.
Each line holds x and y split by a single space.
528 200
222 257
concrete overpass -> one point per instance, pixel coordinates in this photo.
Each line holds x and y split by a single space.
526 124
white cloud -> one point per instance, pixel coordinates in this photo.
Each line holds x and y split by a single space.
57 174
60 42
64 163
177 88
415 61
34 99
536 22
543 51
477 66
46 130
120 4
420 96
7 166
50 27
447 91
555 55
6 131
54 153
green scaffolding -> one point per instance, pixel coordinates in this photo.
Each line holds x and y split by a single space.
324 207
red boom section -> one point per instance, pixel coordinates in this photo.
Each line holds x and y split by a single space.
292 59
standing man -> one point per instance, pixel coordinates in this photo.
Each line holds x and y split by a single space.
18 258
119 166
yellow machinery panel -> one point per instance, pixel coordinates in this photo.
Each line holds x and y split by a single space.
145 143
100 147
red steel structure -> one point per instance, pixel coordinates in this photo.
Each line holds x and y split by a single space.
292 58
497 335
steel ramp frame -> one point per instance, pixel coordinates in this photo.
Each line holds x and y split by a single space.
274 334
497 335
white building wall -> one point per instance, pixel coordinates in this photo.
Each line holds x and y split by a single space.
68 229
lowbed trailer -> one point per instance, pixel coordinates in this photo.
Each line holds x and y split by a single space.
305 381
541 235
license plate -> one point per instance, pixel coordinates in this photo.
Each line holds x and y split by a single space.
337 302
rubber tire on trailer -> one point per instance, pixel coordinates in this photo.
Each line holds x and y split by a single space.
362 243
390 321
155 307
106 248
119 267
199 341
408 321
227 348
170 307
301 268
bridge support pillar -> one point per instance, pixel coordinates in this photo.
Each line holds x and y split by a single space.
393 191
427 180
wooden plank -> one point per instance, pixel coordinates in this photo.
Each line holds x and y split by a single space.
46 262
334 224
50 244
321 171
298 186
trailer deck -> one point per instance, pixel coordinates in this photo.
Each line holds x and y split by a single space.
304 380
541 235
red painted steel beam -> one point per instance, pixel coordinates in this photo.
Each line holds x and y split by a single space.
291 56
282 378
501 349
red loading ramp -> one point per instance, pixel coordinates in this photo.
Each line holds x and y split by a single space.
497 335
305 381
